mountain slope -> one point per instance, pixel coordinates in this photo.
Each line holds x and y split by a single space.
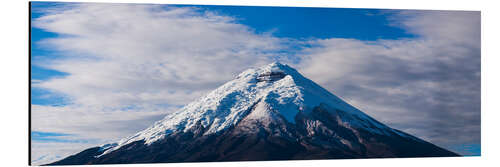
267 113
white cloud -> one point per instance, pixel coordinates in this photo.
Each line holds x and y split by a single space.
428 86
85 127
117 54
43 153
92 123
451 27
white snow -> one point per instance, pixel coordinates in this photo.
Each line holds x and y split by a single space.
226 105
261 112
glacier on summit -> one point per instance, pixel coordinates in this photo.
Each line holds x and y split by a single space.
263 110
289 93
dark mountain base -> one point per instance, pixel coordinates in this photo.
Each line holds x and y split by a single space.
232 149
270 141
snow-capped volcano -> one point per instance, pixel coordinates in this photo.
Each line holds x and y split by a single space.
276 90
265 113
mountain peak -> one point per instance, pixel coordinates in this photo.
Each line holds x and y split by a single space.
268 73
277 67
279 91
272 101
273 72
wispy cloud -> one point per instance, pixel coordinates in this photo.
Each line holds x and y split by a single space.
120 54
46 152
428 86
58 131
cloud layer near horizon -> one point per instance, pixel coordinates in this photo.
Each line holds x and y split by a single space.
429 86
131 64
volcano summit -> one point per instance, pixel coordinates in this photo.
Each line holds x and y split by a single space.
266 113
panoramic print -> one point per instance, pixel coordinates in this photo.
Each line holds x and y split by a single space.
159 83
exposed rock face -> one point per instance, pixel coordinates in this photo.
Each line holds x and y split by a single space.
270 76
269 113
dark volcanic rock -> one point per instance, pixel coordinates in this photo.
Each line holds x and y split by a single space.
278 140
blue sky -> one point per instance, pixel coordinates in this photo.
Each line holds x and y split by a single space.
306 23
122 65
